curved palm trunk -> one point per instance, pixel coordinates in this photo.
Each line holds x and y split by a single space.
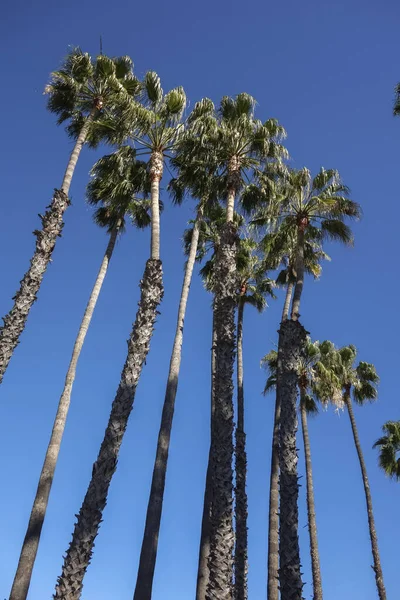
204 551
241 507
221 536
52 225
291 349
30 545
288 297
298 290
148 555
371 521
79 553
312 522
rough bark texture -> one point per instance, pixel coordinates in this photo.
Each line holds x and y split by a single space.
241 504
288 297
291 349
52 225
273 515
148 555
156 173
220 584
78 556
298 290
204 551
30 545
377 568
312 522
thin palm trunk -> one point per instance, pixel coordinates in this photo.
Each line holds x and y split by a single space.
204 551
291 349
230 205
371 521
241 505
148 555
298 290
30 545
52 225
220 584
312 522
156 171
288 298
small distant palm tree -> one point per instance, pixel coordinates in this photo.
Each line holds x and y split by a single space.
118 179
359 381
156 126
78 93
389 449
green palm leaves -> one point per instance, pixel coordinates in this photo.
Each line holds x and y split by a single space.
389 449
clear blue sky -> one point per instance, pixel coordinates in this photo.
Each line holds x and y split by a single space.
327 72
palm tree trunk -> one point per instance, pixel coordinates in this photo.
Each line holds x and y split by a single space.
52 225
298 290
204 551
371 521
288 297
156 172
273 516
241 512
148 555
30 545
230 205
221 536
291 349
79 553
312 523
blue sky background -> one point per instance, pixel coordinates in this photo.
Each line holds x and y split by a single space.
327 72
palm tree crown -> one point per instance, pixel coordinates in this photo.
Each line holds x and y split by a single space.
389 449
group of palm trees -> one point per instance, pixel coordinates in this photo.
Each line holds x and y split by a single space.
259 225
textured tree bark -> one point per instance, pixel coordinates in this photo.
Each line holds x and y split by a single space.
291 349
298 290
288 297
46 238
79 553
220 584
312 522
241 504
156 173
273 515
377 568
204 551
148 555
30 545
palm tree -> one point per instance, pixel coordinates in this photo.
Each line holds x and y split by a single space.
156 126
298 205
254 287
240 143
360 382
78 93
198 180
117 179
389 448
396 104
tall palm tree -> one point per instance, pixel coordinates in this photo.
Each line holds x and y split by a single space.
156 125
297 205
196 178
78 93
240 143
117 180
359 381
254 287
389 449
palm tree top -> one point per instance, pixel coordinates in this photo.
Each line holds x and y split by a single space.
389 447
396 104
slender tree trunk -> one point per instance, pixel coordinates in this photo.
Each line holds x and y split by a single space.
230 205
291 349
30 545
220 585
52 225
79 553
273 516
204 551
371 521
288 297
298 290
148 555
241 512
156 172
312 522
